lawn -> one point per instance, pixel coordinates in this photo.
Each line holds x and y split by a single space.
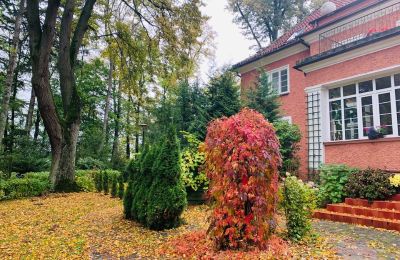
91 226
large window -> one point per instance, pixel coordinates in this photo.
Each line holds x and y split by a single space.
280 80
356 108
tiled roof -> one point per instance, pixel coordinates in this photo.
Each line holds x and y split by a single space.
290 36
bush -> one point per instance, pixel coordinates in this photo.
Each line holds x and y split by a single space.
89 163
167 194
242 161
370 184
106 187
332 179
98 181
114 187
155 195
298 202
15 188
121 187
289 136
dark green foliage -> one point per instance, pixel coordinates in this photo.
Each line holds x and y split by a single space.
289 136
98 181
167 194
332 180
89 163
114 189
223 95
370 184
156 196
105 179
67 186
298 202
121 187
264 99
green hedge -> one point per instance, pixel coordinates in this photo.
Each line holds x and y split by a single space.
37 183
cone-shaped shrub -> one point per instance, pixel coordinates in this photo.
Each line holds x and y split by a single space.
98 182
104 177
167 194
242 160
114 190
121 187
132 170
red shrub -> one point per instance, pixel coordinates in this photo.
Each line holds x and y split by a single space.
242 160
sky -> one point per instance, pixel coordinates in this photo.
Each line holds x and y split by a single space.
230 45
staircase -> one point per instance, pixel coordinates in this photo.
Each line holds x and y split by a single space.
378 214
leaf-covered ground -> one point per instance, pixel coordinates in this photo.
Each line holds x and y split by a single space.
91 226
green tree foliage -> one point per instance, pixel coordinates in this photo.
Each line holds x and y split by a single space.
265 20
223 95
298 201
263 98
98 181
289 136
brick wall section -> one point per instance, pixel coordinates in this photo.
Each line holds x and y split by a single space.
293 104
376 154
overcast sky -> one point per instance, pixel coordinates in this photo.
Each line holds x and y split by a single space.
231 45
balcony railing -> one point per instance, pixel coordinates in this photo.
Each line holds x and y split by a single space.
379 21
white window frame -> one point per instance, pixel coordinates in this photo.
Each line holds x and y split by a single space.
375 104
287 68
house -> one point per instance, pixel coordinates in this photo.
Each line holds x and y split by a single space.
338 77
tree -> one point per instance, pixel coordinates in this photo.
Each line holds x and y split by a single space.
223 95
265 20
242 160
264 99
12 64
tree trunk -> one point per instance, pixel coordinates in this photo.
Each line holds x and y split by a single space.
128 139
10 71
104 139
117 109
37 126
29 116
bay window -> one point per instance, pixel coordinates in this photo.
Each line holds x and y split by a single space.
358 107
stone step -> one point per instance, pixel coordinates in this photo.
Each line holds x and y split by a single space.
377 204
364 211
388 224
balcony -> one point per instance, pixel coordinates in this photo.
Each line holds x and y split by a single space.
361 28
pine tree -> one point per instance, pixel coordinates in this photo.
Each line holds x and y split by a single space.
167 194
98 182
264 99
223 95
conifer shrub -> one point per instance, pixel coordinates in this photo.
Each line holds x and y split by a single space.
299 201
106 187
114 183
167 194
121 187
242 161
98 181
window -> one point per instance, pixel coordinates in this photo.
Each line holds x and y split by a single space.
287 118
280 80
355 108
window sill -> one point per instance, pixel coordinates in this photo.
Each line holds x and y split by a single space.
284 94
361 141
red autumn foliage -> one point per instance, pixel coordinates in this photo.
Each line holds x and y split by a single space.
196 245
242 160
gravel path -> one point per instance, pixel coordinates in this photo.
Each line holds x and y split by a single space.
357 242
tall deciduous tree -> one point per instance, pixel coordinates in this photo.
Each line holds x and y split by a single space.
62 126
264 20
12 64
